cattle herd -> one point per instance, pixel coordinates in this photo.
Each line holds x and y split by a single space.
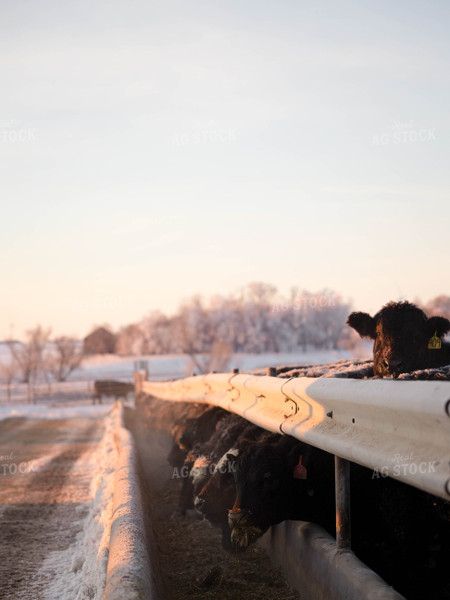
243 479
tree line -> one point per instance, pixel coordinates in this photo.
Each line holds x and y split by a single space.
255 320
40 359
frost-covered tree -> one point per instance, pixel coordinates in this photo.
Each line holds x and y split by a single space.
255 320
130 341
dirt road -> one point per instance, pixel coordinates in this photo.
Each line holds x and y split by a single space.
44 486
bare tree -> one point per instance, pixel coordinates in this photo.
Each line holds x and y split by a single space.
29 357
8 372
23 359
67 356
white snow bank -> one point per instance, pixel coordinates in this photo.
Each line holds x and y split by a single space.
79 572
128 574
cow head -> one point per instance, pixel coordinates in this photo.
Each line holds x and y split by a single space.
218 495
264 483
401 334
200 429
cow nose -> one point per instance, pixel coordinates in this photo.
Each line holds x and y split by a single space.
234 516
394 366
199 504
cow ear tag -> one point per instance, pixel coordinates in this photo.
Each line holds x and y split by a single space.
435 342
300 471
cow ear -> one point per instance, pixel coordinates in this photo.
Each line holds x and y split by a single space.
438 325
363 323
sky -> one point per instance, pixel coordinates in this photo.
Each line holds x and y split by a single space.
153 150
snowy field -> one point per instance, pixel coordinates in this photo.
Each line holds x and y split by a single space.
43 411
176 365
78 388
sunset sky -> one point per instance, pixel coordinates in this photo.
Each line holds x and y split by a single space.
152 150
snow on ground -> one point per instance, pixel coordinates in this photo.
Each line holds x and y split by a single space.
79 387
177 365
111 366
33 411
79 572
248 362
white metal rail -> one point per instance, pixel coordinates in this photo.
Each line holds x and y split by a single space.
397 428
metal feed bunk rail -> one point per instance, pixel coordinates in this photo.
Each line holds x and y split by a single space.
396 428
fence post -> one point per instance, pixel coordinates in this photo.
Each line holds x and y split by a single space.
343 521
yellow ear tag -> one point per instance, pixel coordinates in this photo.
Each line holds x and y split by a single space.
435 342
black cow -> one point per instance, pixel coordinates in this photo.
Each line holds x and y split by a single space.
398 531
219 492
118 389
194 431
203 456
404 338
271 488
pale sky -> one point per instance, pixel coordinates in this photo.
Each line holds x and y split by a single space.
152 150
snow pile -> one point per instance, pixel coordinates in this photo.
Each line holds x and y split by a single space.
356 369
247 362
79 572
352 369
442 373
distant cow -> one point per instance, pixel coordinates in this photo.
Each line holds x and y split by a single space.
118 389
405 339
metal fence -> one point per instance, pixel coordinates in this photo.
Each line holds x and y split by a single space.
22 393
396 428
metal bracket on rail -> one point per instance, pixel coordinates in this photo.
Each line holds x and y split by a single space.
207 386
288 399
230 389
